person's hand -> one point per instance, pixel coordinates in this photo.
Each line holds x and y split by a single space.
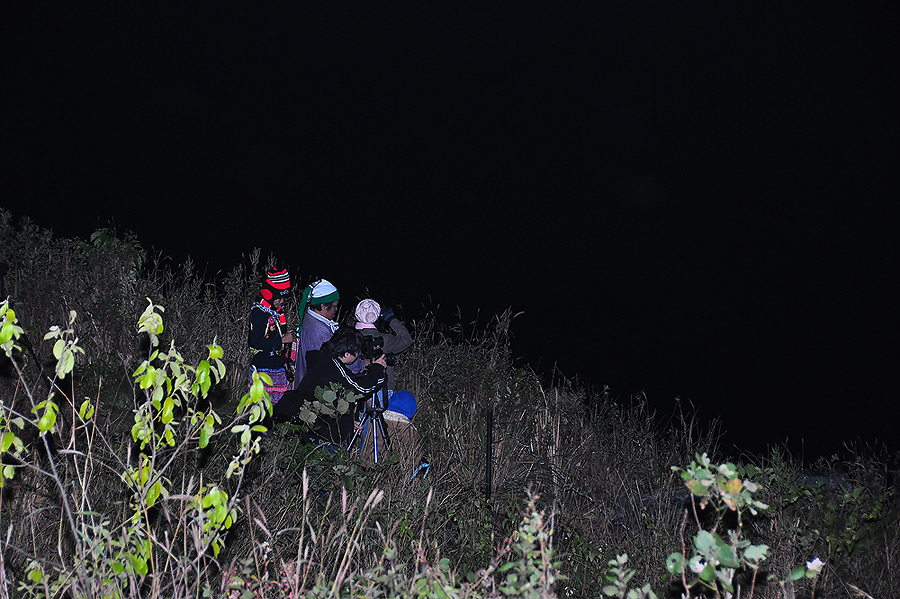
288 337
380 360
387 315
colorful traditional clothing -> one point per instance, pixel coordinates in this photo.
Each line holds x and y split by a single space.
268 325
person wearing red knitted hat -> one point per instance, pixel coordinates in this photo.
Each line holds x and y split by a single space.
269 333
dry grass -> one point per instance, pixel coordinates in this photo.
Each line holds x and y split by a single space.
600 465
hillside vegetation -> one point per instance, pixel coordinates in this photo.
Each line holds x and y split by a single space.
131 467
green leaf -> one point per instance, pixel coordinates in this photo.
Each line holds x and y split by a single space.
168 406
147 378
307 416
727 556
696 487
256 390
675 563
47 421
86 410
705 542
139 564
797 573
157 396
66 364
756 553
153 494
728 470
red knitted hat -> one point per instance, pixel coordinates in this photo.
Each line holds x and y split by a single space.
277 285
279 279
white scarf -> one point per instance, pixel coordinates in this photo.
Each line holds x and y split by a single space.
331 324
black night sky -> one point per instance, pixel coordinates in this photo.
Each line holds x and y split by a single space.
690 201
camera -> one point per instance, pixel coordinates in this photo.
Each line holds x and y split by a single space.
371 350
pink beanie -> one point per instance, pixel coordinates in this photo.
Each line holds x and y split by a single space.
368 311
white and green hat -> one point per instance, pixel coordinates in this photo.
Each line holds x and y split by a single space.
320 292
323 292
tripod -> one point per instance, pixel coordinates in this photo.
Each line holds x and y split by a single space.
374 416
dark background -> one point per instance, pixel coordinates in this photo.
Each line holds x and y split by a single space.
684 201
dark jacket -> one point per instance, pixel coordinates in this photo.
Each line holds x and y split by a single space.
322 370
265 340
393 344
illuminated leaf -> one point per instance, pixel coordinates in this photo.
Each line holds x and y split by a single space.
86 410
696 487
675 563
733 486
47 421
756 553
168 406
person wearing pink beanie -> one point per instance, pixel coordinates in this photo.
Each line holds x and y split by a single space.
368 312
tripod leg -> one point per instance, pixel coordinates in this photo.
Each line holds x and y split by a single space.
384 432
375 438
357 434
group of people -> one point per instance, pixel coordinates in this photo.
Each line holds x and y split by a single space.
324 353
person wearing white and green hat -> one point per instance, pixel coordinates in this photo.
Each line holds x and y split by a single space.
318 312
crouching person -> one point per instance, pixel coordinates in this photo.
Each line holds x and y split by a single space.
404 438
325 366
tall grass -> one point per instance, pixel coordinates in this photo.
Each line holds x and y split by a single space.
594 469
